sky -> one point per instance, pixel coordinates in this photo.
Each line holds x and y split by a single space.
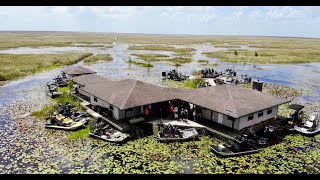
297 21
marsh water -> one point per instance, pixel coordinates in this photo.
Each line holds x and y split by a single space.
306 76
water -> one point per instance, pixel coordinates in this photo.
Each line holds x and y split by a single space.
294 75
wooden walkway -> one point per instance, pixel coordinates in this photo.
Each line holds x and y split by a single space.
118 124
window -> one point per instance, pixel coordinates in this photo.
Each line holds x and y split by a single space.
260 114
111 108
95 99
269 111
130 109
250 117
230 118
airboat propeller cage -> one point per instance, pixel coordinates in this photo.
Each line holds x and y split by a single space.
296 107
257 85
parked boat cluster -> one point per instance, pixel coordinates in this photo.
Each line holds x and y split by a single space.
68 117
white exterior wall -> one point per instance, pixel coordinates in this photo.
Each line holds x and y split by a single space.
239 123
83 92
243 122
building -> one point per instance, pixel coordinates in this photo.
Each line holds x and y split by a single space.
230 105
77 71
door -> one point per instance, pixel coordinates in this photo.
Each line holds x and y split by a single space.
220 118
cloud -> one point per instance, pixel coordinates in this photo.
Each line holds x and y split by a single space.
165 19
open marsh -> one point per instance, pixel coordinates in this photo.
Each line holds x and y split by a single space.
26 147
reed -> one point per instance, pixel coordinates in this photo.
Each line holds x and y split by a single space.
97 58
14 66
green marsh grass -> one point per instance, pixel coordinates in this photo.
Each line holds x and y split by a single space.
188 84
97 58
163 58
14 66
140 63
267 56
82 133
160 48
202 61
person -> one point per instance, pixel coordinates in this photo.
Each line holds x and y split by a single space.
176 113
182 113
171 109
194 114
186 113
146 112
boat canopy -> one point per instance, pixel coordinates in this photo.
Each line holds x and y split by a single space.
309 124
296 107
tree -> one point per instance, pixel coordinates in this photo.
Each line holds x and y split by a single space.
236 53
256 54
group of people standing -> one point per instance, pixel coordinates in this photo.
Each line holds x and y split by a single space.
177 110
182 112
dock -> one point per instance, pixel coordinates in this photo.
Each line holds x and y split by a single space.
118 124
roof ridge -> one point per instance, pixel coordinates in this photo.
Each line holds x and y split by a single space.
130 92
231 97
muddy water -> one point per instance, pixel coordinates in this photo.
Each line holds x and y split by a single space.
36 147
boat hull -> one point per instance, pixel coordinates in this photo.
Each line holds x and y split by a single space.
191 135
74 127
305 132
228 153
122 138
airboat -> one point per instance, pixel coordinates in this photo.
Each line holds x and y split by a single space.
170 133
311 126
249 143
65 123
100 129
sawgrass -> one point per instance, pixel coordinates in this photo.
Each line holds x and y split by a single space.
276 56
202 61
140 63
14 66
97 58
55 39
177 61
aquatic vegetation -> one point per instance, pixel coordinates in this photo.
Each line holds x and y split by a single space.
265 56
97 58
140 63
202 61
80 133
44 112
19 65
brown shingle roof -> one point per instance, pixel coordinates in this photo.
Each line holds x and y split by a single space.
130 93
231 100
78 70
90 79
